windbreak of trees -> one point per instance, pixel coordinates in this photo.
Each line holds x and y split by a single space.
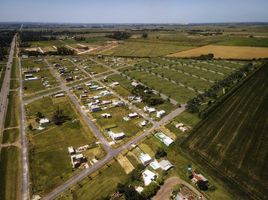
193 105
120 35
5 40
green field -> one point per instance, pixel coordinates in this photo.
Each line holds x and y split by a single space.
101 184
232 141
10 173
50 164
12 116
11 135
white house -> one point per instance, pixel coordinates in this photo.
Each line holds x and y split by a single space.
44 121
145 158
149 109
106 115
71 150
116 136
148 176
163 138
160 113
165 165
133 115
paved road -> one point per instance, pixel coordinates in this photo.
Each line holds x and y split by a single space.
93 127
165 190
25 168
5 88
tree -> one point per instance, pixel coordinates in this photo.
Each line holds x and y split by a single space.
160 153
39 115
58 117
145 35
150 190
30 127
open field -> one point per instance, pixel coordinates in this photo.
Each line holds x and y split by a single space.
232 141
10 173
11 135
50 163
12 115
100 184
225 52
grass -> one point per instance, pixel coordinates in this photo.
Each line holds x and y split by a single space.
232 139
50 163
11 135
100 185
10 173
12 115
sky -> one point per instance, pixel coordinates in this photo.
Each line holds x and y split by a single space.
134 11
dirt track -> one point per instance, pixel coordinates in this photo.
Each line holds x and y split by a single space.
164 192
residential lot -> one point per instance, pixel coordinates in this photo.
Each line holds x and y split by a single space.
50 163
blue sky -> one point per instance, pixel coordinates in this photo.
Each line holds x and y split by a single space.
134 11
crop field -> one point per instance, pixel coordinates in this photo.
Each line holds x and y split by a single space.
50 163
233 139
225 52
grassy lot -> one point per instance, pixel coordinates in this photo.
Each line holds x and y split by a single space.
233 139
49 160
15 69
12 115
2 73
93 67
10 173
11 135
99 185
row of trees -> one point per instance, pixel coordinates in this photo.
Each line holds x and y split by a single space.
193 105
5 40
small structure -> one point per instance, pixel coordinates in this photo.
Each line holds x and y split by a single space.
106 115
71 150
118 103
155 164
113 84
116 136
148 176
139 189
133 115
143 123
160 113
77 160
134 83
44 121
149 109
163 138
95 108
165 165
145 158
82 148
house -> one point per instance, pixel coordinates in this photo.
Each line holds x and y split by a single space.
83 96
31 79
69 78
145 158
77 160
148 176
160 113
116 136
88 84
44 121
118 103
134 83
165 165
183 129
95 108
71 150
82 148
149 109
113 84
105 93
163 138
143 123
106 115
133 115
179 125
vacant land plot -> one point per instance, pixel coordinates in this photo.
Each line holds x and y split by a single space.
11 135
125 163
50 163
10 173
100 185
233 140
12 117
227 52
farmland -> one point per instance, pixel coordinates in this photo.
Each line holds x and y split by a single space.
226 52
232 139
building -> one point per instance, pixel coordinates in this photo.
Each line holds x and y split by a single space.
133 115
116 136
71 150
77 160
106 115
44 121
149 109
148 176
163 138
145 158
143 123
118 103
160 113
95 108
113 84
165 165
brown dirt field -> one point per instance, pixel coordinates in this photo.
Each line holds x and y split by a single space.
227 52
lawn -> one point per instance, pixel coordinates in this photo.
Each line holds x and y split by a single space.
100 185
233 139
11 135
49 160
10 173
